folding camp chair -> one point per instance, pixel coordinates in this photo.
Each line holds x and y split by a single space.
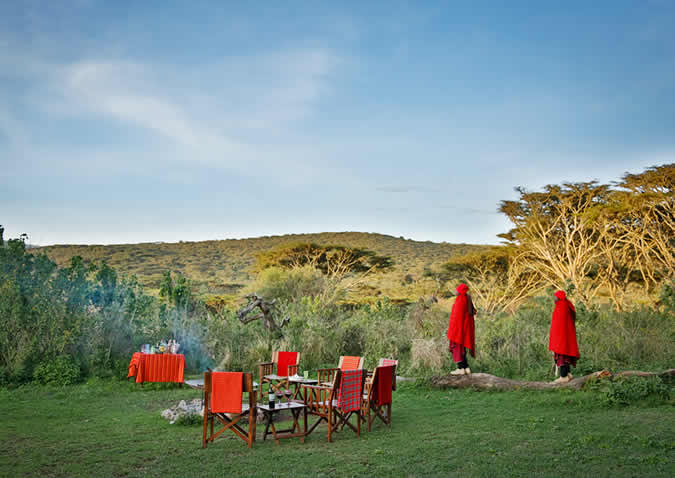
286 364
386 361
378 397
350 363
320 399
223 401
350 399
346 362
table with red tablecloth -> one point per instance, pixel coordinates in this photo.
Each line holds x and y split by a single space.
157 367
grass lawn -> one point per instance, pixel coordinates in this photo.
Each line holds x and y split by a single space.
115 429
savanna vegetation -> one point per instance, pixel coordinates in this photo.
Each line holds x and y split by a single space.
73 315
609 246
224 268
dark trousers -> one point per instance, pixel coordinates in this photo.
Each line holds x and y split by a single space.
564 370
463 364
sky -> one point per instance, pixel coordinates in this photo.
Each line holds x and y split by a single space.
125 121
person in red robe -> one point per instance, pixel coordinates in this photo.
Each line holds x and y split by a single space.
461 330
563 337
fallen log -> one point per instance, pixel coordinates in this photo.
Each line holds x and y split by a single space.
486 381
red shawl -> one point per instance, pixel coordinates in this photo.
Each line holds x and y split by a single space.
461 328
563 337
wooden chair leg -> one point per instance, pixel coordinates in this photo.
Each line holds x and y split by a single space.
205 429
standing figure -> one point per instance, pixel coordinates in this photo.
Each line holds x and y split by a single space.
461 330
563 337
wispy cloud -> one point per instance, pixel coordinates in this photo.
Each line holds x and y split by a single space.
227 114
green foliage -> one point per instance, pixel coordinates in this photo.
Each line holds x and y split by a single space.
189 419
291 285
517 346
668 297
631 390
84 311
62 371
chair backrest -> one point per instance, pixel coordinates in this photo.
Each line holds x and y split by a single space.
350 363
383 384
284 360
350 393
222 391
387 361
319 399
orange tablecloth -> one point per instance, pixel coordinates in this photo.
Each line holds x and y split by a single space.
133 365
157 367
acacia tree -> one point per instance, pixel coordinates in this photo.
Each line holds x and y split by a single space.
344 267
498 282
646 226
596 237
559 234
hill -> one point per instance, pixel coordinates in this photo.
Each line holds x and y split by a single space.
224 266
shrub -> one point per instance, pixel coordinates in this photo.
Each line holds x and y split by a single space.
189 419
630 390
61 371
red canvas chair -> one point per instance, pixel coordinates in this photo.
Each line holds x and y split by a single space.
223 401
386 361
286 364
378 397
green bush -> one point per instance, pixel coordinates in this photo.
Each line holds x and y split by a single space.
189 419
61 371
630 390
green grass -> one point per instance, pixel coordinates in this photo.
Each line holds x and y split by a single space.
114 429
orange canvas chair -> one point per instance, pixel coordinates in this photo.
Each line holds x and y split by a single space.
286 364
378 396
350 363
346 362
223 401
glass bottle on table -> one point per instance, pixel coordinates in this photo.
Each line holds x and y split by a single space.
271 397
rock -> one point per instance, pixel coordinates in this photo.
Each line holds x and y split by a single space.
192 407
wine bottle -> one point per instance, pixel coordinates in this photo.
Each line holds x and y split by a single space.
271 397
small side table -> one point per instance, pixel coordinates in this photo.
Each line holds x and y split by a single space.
293 432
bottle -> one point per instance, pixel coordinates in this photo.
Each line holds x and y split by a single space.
271 397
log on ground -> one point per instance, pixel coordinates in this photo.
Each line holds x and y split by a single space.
491 382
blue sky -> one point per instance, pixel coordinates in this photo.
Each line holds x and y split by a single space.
166 121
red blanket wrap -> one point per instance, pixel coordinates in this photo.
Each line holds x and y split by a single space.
461 328
563 337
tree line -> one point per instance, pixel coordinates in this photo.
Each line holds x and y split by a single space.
589 238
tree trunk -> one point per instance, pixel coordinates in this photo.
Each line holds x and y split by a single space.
486 381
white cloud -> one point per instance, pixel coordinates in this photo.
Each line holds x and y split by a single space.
237 113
